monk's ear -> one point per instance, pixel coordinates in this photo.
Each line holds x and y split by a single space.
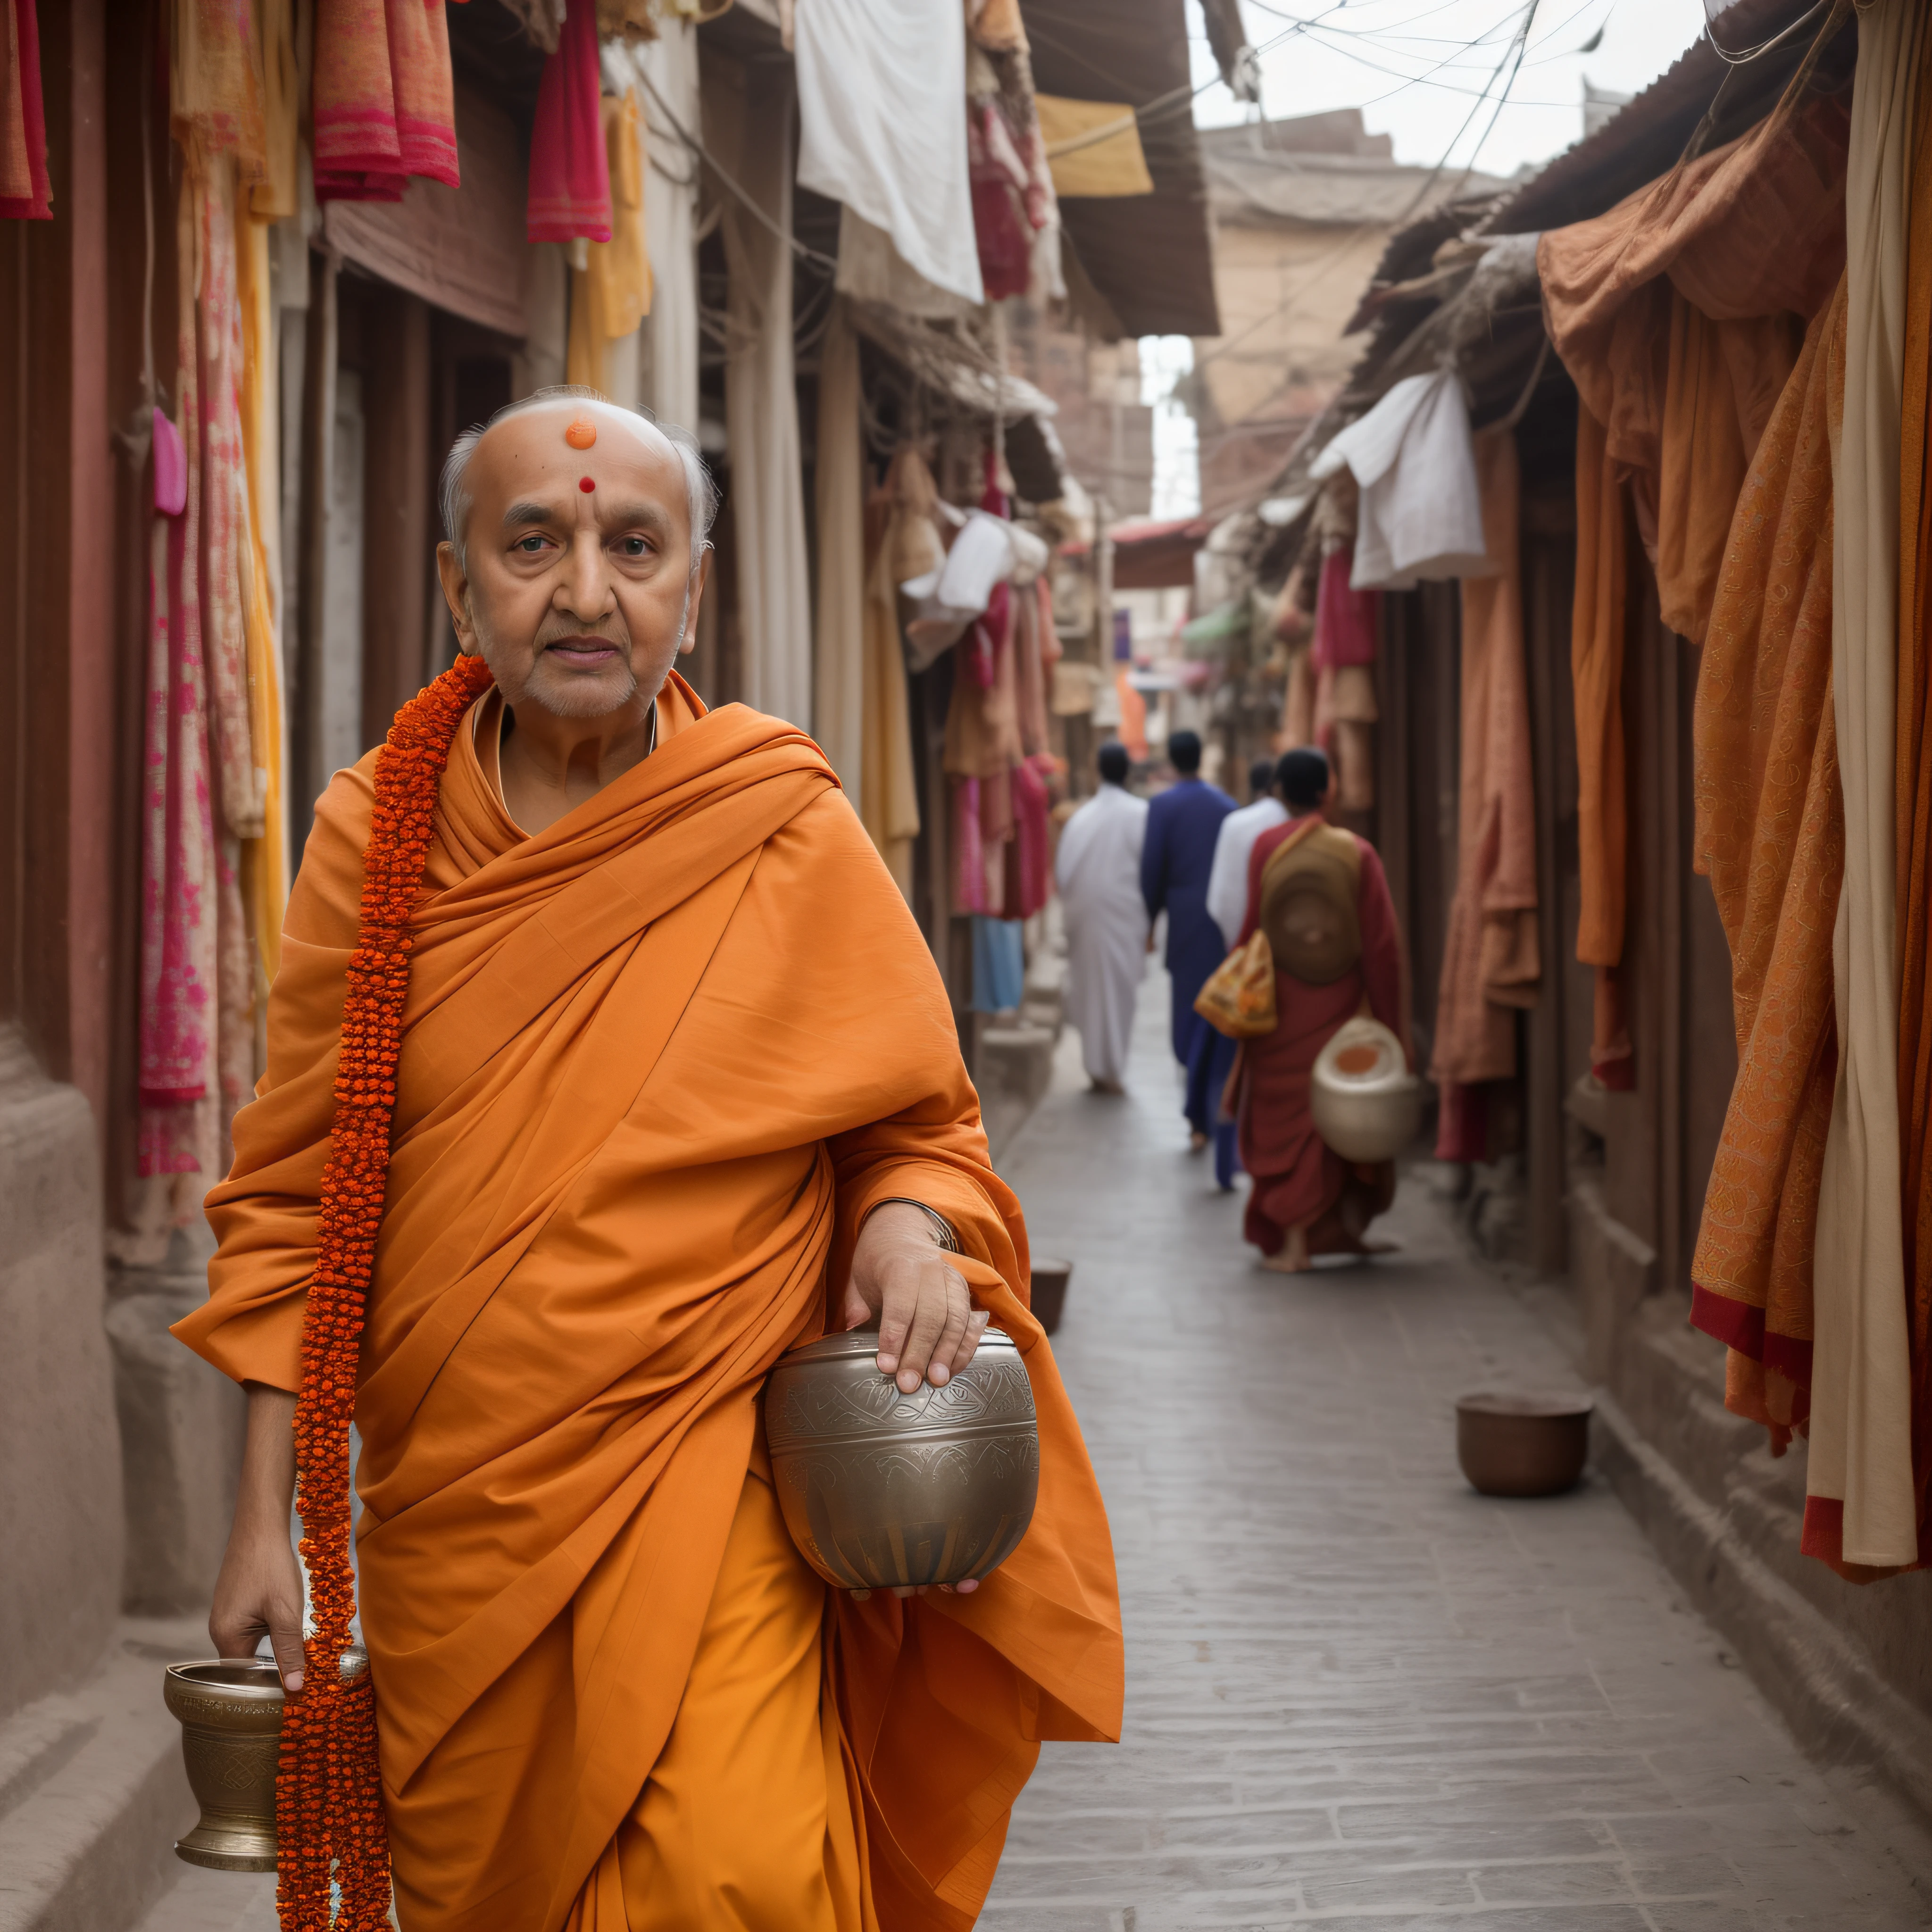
456 593
700 576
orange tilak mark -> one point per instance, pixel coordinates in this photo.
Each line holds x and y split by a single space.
581 433
330 1829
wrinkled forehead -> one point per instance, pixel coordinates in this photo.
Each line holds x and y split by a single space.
542 445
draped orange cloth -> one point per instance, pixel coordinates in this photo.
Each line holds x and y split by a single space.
1672 313
643 1103
1915 792
1490 965
1770 834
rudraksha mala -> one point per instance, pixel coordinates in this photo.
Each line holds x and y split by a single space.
330 1827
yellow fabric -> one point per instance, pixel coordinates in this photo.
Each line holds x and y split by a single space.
747 1822
901 541
277 196
264 860
611 295
1093 147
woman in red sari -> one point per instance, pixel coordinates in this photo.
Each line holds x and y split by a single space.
1325 889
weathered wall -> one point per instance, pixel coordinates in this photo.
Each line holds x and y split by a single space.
60 1456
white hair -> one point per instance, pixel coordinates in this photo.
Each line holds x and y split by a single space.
700 493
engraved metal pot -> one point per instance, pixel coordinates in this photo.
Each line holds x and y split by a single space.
882 1490
230 1713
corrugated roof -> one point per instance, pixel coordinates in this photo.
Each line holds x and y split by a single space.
1638 143
1149 255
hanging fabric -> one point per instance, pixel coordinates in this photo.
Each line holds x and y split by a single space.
610 294
1491 963
570 167
25 194
1859 1504
1769 834
384 105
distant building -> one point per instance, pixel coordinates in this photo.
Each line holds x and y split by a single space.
1105 429
1302 210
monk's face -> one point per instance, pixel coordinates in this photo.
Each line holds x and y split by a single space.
576 582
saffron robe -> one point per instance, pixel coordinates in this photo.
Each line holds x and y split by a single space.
1299 1180
643 1106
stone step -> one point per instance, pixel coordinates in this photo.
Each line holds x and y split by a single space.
92 1792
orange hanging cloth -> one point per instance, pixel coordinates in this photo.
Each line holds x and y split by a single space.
618 1111
1770 835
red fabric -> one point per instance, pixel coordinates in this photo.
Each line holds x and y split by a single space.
570 169
384 101
1344 619
1000 222
1298 1182
38 206
1462 1121
1029 867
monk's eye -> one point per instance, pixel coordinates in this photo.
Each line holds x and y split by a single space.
633 547
529 546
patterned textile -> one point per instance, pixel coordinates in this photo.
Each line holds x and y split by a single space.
385 106
1770 835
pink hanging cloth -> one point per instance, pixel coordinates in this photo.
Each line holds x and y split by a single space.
385 103
25 194
570 169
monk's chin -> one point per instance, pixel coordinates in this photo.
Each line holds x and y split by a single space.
578 694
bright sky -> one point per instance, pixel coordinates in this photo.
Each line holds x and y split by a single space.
1418 70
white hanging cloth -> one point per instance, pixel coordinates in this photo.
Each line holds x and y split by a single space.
882 113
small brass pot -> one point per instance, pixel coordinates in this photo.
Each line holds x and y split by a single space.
1523 1445
882 1490
230 1712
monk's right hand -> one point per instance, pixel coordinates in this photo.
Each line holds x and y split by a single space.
259 1593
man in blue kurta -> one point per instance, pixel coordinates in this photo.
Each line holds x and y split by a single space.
1182 824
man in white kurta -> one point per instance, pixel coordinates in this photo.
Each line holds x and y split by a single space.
1228 879
1098 870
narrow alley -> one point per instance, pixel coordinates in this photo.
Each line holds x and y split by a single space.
1356 1690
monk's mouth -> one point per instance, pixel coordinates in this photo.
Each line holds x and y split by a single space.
586 653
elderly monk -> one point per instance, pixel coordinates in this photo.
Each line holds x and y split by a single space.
651 1129
1321 895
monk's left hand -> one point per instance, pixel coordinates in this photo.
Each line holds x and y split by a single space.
928 1328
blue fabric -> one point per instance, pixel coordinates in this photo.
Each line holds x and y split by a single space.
1209 1064
999 964
1182 823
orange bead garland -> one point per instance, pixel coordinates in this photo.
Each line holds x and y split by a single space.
331 1830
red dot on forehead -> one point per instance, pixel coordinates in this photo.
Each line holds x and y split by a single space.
584 484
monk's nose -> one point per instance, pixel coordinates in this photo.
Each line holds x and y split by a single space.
586 591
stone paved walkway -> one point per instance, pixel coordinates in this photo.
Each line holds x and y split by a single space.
1357 1692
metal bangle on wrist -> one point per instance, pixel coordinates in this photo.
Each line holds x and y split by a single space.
942 1229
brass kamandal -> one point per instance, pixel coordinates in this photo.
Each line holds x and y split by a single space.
881 1490
230 1712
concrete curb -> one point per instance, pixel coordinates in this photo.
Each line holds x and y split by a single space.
95 1791
1841 1710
